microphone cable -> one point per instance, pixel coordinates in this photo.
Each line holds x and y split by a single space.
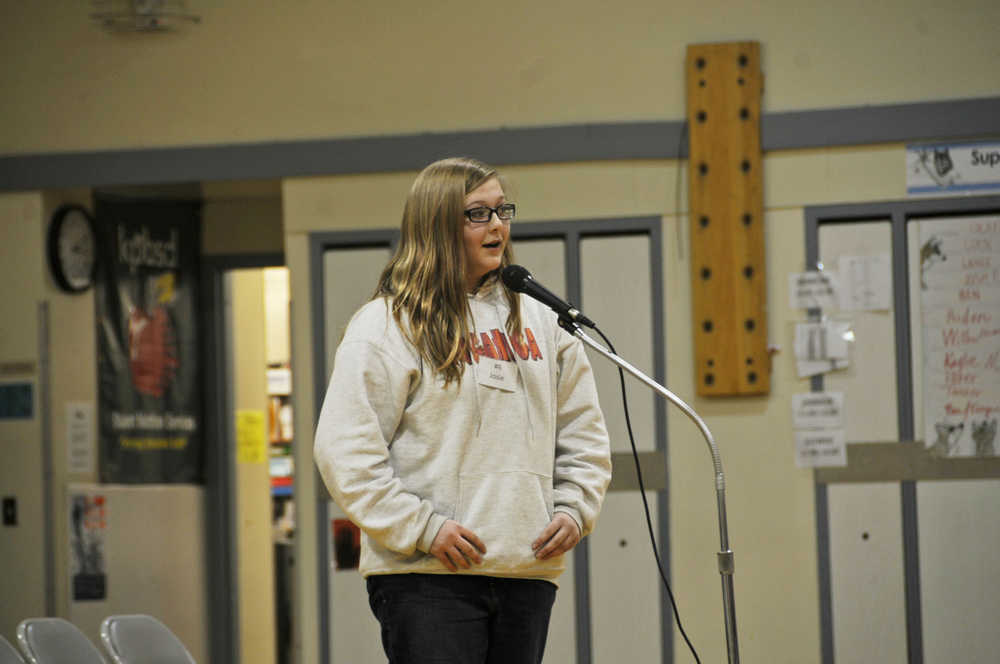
645 503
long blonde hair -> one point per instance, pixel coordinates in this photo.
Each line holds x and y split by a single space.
425 279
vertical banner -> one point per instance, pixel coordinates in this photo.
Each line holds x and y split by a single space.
149 355
960 305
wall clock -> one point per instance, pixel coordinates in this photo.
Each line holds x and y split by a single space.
72 248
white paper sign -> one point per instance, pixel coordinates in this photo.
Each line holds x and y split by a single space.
80 437
813 290
279 381
808 368
826 340
818 410
865 283
823 447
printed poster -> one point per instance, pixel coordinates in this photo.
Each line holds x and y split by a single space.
960 305
149 354
88 524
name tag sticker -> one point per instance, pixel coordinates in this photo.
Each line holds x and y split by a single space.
497 374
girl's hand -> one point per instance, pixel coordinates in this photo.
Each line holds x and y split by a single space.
457 546
560 536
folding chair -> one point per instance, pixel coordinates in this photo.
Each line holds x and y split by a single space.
55 641
9 654
142 639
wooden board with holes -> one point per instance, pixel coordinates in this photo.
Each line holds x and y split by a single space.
728 288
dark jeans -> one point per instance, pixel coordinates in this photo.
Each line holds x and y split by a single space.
456 619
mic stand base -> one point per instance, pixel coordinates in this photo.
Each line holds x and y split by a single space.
725 555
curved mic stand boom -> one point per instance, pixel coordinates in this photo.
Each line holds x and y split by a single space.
725 555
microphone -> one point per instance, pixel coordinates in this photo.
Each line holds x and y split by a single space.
518 279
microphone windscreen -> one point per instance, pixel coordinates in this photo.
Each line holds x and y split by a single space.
514 277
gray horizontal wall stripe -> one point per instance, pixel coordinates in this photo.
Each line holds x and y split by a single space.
944 120
905 462
896 123
338 156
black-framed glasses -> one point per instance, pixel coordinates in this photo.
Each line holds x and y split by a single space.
482 214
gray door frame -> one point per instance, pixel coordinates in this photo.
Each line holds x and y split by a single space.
571 232
899 213
220 436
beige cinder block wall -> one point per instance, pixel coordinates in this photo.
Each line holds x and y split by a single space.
383 69
20 473
69 321
387 68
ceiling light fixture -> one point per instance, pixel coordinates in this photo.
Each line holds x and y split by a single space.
142 15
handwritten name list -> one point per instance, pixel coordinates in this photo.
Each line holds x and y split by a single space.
960 308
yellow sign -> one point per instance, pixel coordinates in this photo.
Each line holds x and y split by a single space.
251 445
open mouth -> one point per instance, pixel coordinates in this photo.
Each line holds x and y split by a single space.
492 245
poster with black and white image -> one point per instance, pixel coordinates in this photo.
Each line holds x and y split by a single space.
955 168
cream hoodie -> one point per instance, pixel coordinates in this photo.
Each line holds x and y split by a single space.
400 453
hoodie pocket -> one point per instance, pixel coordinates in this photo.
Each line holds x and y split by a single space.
507 510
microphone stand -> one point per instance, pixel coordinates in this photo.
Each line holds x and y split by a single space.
725 555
